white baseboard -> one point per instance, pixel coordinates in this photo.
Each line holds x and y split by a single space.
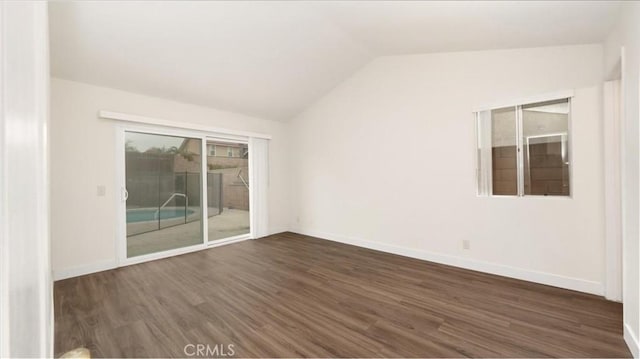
277 230
632 341
83 270
554 280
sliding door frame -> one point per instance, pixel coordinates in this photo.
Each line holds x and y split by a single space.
120 197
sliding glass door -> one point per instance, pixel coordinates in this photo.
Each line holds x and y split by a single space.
174 179
163 185
227 189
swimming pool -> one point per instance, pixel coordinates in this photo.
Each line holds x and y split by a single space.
150 214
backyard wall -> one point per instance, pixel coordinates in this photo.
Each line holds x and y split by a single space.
627 35
420 200
83 157
234 193
546 173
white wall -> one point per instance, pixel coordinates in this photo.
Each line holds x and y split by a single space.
83 156
387 160
627 35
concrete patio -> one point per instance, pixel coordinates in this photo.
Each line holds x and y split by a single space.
231 222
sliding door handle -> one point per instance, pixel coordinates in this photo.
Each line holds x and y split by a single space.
125 194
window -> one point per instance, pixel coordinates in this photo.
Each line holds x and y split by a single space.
229 151
524 150
212 150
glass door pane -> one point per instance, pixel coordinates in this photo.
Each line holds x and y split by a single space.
227 189
163 182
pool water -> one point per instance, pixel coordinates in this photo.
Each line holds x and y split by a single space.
150 214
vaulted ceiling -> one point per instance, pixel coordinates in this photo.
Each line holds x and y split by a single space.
273 59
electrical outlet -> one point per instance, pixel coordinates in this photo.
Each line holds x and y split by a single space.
466 244
101 190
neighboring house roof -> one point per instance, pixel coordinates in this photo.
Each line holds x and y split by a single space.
187 141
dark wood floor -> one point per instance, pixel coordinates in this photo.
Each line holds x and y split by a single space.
290 295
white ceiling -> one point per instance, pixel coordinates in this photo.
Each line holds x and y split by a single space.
273 59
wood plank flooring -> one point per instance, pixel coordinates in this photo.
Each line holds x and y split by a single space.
290 295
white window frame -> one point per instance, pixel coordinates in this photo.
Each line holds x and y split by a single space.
484 180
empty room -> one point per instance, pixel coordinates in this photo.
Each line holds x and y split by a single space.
324 179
